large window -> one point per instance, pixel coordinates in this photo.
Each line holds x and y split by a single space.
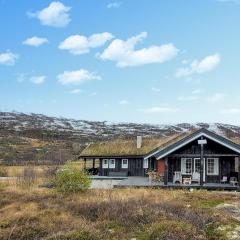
124 163
111 163
212 166
186 165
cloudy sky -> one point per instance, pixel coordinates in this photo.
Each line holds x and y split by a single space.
150 61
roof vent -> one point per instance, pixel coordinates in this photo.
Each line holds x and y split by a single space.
139 141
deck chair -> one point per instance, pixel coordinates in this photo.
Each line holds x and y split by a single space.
233 181
196 177
224 179
177 177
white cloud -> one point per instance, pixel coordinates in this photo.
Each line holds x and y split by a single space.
76 91
198 67
230 111
78 44
38 79
215 98
8 58
76 77
114 5
55 15
160 110
124 53
124 102
156 90
35 41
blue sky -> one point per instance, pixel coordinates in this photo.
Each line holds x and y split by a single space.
167 61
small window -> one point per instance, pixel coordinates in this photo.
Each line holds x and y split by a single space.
212 166
105 163
145 163
111 163
124 163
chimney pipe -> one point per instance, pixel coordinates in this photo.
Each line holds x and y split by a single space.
139 141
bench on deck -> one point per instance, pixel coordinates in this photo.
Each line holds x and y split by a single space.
118 174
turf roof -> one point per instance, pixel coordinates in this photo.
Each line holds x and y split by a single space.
128 147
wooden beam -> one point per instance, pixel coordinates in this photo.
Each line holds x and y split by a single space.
205 155
93 162
166 171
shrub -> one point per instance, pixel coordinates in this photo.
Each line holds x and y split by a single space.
71 180
3 172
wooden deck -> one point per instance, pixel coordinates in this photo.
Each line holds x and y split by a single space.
144 182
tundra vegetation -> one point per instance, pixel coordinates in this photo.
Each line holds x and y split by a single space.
28 211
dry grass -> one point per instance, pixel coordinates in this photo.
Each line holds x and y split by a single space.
127 146
111 214
15 171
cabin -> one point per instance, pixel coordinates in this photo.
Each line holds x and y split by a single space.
200 157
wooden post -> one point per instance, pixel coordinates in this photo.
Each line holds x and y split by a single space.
85 163
201 167
238 171
166 171
93 165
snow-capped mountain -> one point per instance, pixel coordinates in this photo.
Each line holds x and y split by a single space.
37 124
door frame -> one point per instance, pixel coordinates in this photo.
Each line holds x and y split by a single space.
204 167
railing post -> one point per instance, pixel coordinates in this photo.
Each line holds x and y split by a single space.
166 171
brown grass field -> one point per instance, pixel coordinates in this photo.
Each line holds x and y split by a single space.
41 213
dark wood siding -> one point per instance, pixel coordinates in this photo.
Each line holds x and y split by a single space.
135 167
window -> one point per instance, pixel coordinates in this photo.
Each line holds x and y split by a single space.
212 166
105 163
124 163
197 165
111 163
186 165
145 163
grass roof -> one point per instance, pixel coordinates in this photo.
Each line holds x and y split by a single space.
128 147
124 147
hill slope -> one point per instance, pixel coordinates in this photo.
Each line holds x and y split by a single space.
36 137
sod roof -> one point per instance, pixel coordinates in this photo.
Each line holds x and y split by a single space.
128 147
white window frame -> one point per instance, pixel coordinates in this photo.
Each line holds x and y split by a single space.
184 165
145 163
105 165
215 167
125 165
110 164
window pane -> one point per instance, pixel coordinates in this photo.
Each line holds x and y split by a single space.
197 165
112 163
124 163
188 165
105 163
210 166
145 163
